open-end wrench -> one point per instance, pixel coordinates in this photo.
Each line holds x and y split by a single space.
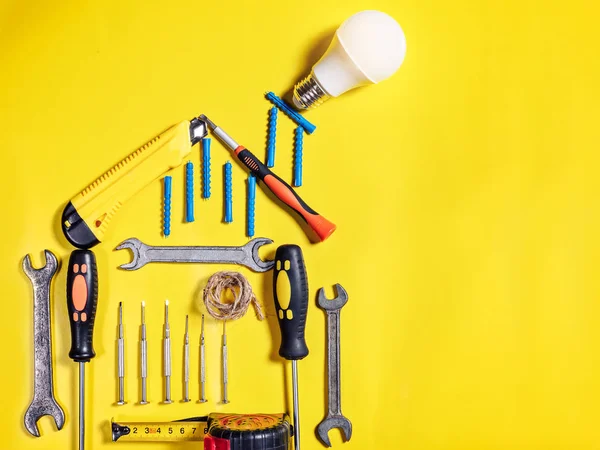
246 255
335 418
43 403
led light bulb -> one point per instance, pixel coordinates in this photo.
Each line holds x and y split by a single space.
366 49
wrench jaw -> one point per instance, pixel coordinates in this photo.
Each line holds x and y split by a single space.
37 410
45 272
137 248
330 423
253 246
334 304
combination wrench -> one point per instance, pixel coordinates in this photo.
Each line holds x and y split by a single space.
43 403
335 418
246 255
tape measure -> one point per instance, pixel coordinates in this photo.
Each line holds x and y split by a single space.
218 431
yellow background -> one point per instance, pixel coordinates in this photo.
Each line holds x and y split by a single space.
464 189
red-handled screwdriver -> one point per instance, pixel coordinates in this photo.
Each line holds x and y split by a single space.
82 299
290 292
280 188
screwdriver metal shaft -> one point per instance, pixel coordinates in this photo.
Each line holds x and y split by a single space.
167 356
225 376
202 366
144 357
186 363
82 300
121 358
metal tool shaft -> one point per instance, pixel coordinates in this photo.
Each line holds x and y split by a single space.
296 404
144 357
225 375
167 356
186 363
202 366
121 358
81 406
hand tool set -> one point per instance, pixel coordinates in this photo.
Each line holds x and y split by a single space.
377 51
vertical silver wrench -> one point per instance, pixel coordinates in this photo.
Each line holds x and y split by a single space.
44 402
335 418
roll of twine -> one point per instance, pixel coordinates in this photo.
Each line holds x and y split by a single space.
241 291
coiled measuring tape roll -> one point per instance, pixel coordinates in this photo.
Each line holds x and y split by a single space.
218 431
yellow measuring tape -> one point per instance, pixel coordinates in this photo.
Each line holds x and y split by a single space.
217 430
193 429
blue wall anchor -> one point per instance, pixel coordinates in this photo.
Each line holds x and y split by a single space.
206 168
298 136
272 129
251 204
167 207
228 194
189 192
289 111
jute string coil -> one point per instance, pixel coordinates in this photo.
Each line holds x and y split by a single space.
241 290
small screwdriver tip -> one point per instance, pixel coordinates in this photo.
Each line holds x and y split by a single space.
143 303
166 302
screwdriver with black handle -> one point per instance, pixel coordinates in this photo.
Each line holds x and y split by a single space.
290 291
283 191
82 299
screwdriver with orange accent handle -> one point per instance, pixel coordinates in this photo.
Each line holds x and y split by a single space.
283 191
82 299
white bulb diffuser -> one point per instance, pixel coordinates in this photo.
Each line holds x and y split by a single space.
366 49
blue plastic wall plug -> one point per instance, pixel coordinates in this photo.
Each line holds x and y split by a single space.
289 111
251 204
272 125
206 168
298 135
228 194
167 207
189 192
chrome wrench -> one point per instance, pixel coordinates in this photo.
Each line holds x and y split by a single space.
246 255
335 418
43 403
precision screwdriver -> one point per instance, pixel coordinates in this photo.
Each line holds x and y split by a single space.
290 292
225 369
167 356
144 357
202 366
186 363
283 191
82 300
121 358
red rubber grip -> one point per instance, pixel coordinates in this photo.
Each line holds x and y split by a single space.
318 223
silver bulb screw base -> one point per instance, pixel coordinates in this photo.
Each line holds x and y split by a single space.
308 93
